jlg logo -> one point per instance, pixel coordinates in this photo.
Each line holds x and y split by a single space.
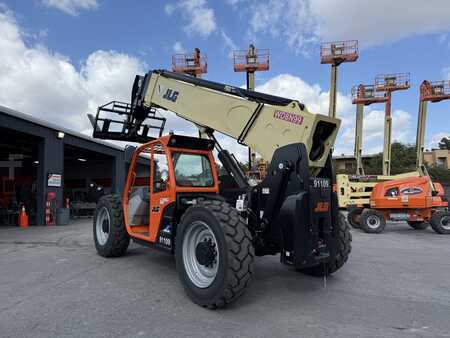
321 207
171 95
167 93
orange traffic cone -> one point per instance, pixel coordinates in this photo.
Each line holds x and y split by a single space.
23 218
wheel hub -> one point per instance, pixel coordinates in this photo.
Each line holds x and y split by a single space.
205 252
105 226
200 254
102 226
373 222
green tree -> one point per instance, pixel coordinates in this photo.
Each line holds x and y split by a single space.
403 160
441 175
445 143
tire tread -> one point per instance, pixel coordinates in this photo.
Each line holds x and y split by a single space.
121 239
240 254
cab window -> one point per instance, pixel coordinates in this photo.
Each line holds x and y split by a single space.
160 171
411 191
192 170
391 192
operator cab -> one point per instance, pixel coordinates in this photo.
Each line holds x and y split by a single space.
166 176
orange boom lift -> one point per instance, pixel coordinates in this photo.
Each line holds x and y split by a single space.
416 200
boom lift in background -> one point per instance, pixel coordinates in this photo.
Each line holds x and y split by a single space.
251 61
177 205
195 64
388 83
410 197
335 53
429 92
363 95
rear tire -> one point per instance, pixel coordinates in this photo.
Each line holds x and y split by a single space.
110 234
354 217
372 221
343 251
222 274
440 222
418 225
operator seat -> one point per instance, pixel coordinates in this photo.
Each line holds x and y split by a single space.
139 206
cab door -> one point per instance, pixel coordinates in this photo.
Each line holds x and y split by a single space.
160 195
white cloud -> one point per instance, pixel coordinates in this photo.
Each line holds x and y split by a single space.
286 19
305 22
228 43
234 2
446 73
169 9
48 86
178 48
201 18
433 141
71 7
376 22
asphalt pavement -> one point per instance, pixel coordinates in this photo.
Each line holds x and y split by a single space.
53 284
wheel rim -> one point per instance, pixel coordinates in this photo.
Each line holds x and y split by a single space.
373 222
445 222
102 226
197 236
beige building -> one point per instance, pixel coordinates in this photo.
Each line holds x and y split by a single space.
347 163
438 158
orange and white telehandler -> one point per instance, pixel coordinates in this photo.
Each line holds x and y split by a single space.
174 200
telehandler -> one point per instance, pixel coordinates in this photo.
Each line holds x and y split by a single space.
172 200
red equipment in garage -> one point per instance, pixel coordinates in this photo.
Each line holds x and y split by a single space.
50 209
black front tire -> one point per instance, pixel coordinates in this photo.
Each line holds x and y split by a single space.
117 237
344 239
418 225
234 247
440 222
354 216
372 221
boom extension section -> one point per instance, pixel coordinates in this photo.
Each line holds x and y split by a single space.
263 122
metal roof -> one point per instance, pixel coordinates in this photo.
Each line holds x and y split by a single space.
49 125
352 157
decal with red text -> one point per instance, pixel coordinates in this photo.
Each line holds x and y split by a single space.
289 117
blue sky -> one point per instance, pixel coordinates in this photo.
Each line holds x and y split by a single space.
72 55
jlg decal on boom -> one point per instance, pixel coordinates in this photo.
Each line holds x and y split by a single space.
167 93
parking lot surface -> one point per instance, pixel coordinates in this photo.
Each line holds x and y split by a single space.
53 284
